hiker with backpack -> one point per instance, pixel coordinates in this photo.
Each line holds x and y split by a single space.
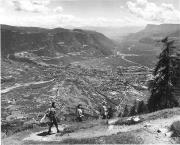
105 111
51 114
110 112
80 113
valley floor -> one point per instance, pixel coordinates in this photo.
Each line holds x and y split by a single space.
154 129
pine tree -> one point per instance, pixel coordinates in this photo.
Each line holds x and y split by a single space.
164 76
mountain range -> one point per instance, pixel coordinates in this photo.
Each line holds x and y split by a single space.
152 31
54 42
115 33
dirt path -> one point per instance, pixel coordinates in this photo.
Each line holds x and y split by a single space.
154 131
22 85
123 56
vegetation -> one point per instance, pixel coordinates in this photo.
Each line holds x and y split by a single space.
175 128
142 108
120 138
165 113
164 79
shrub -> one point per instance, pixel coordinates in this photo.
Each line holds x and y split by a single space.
142 108
175 128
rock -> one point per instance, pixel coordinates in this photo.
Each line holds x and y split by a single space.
168 134
147 125
112 121
162 130
130 118
110 127
136 119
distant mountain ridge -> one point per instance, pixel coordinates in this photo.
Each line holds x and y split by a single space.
156 31
162 27
52 42
115 33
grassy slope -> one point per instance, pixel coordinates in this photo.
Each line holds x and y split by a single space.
136 136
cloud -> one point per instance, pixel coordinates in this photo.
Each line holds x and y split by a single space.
164 13
36 6
38 13
32 6
31 13
58 9
39 20
122 7
60 20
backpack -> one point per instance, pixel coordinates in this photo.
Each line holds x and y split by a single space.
51 112
79 112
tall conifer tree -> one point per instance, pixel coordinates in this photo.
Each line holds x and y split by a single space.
164 79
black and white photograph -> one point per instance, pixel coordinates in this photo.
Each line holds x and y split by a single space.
90 72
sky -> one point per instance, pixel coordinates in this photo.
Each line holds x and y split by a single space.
91 13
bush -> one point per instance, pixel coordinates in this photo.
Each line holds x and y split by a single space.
175 128
10 128
142 108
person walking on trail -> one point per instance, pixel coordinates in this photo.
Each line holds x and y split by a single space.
105 111
51 114
79 113
110 112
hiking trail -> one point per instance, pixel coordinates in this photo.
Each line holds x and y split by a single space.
153 131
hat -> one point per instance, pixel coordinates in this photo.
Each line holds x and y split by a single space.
79 105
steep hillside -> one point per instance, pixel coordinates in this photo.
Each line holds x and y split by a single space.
54 42
154 128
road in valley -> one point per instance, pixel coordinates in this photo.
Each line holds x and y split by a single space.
3 91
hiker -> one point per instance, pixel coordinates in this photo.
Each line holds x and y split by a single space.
110 112
105 111
51 114
79 112
101 112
